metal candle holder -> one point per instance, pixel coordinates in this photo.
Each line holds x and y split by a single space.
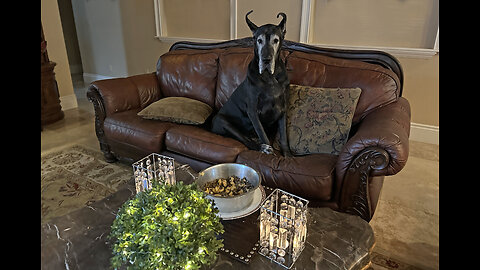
153 168
283 227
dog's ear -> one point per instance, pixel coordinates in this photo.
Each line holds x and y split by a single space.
251 25
282 24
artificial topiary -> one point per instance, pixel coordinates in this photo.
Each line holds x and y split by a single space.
166 227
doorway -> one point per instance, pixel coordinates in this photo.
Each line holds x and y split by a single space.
73 53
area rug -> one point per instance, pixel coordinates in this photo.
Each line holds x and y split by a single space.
382 262
75 177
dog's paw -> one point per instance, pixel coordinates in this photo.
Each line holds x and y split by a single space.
267 149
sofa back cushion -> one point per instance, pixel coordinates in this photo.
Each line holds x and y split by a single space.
232 70
211 76
379 85
188 73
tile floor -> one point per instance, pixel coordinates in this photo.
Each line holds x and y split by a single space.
406 222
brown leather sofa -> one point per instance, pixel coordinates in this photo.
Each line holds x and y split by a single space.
209 72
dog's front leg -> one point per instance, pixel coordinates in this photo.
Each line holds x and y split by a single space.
282 128
257 125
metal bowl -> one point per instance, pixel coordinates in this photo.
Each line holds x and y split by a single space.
225 170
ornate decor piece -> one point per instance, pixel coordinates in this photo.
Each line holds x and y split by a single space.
283 227
357 200
51 111
153 168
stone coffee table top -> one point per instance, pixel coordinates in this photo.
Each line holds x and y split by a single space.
78 240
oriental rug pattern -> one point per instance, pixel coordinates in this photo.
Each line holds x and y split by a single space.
75 177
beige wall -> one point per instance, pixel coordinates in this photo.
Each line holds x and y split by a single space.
421 88
182 22
52 29
266 11
117 38
142 49
384 23
100 37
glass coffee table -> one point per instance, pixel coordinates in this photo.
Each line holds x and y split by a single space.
78 240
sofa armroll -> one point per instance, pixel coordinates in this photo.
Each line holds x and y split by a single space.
379 147
122 94
116 95
387 128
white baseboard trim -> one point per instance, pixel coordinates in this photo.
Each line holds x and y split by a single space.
89 77
68 102
424 133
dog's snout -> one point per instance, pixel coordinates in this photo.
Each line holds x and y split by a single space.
266 60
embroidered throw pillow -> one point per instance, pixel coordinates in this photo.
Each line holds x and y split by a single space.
319 119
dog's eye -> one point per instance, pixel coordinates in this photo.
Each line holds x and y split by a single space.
275 41
259 41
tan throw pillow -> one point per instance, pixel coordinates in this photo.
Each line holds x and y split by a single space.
178 110
319 119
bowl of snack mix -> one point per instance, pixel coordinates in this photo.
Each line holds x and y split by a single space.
230 185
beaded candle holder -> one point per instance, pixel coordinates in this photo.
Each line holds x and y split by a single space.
153 168
283 227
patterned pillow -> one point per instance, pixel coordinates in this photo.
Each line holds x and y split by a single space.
319 119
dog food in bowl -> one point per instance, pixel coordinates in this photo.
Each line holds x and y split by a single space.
227 187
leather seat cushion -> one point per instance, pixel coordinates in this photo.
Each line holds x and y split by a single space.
130 129
198 143
310 176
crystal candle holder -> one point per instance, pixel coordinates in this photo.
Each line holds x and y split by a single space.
283 227
153 168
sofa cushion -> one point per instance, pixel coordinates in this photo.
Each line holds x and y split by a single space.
198 143
319 119
178 110
188 73
130 129
380 86
232 70
309 176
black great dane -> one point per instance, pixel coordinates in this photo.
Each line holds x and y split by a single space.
257 108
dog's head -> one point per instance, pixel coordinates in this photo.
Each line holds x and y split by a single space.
268 40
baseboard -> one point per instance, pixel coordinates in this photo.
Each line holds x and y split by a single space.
68 102
89 77
424 133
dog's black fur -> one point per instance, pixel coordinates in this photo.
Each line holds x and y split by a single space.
257 108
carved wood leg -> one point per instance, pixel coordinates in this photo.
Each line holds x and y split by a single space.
109 156
355 197
94 97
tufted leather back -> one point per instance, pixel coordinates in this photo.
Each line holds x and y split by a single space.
189 73
212 75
